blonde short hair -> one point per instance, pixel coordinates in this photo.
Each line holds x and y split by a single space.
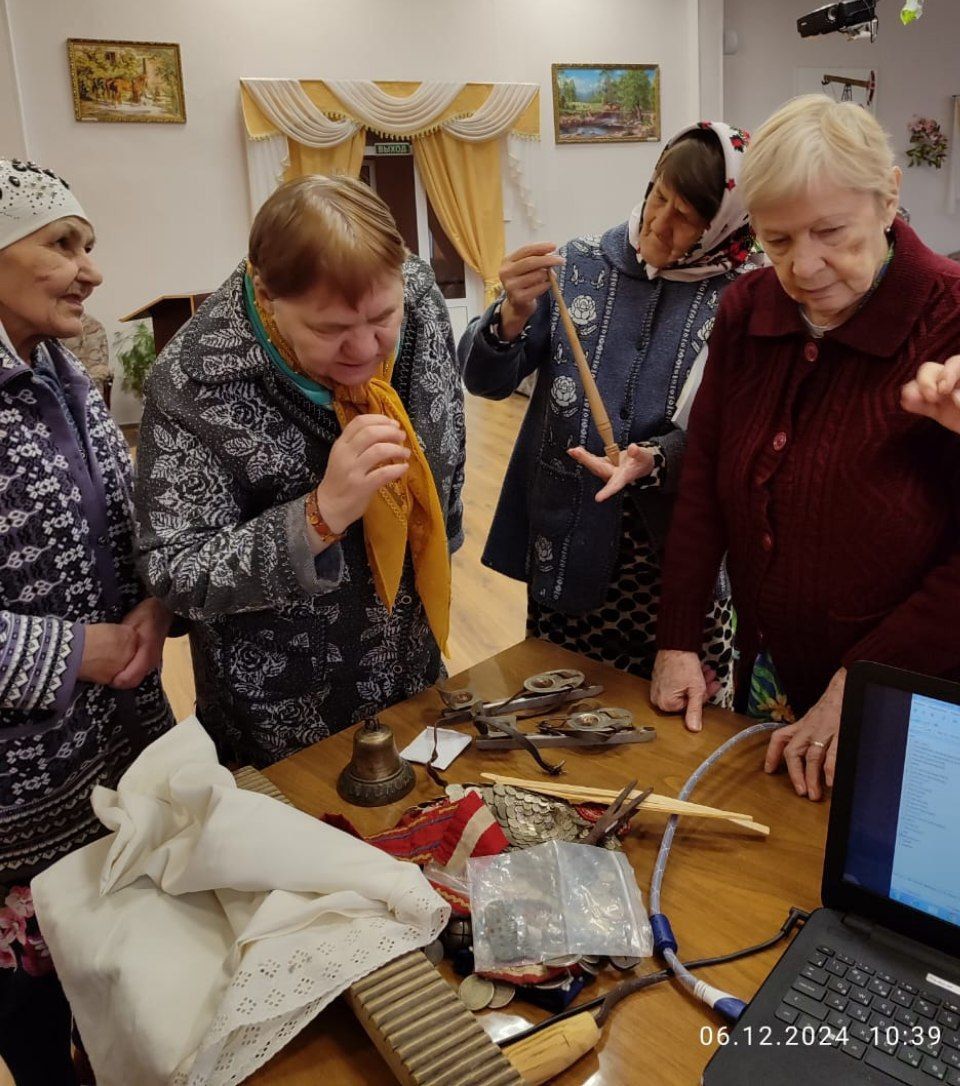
333 231
814 138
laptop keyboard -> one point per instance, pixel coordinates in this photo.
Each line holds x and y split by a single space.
912 1034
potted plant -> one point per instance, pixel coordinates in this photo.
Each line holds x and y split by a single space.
136 353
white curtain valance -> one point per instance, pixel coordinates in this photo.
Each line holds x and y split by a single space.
394 116
287 107
497 115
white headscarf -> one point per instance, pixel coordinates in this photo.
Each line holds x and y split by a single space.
727 243
31 197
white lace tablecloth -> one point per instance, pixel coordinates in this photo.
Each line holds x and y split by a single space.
214 923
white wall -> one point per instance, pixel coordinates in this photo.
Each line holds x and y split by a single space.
12 142
710 46
170 202
917 72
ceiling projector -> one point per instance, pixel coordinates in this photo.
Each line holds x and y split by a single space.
852 18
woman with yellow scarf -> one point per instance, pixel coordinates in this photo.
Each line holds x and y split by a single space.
299 472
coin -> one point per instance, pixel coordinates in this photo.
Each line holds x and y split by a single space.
593 968
476 992
625 963
554 982
434 952
502 995
562 962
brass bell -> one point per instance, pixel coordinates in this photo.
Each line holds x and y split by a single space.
376 775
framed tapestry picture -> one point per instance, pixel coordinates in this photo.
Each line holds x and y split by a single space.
126 81
606 103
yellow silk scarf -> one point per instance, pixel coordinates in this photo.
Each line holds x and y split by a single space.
407 510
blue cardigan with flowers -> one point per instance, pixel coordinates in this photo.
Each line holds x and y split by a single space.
641 338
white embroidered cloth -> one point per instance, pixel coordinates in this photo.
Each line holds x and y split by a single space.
214 923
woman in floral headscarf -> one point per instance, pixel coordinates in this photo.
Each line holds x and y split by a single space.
643 297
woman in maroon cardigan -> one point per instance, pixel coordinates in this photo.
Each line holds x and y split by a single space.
838 509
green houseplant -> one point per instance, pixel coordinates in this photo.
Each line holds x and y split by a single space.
136 353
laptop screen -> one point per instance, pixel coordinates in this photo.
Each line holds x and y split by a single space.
905 807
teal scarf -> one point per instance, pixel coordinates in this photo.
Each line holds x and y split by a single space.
315 393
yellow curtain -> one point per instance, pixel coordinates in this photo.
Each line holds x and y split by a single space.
462 180
344 158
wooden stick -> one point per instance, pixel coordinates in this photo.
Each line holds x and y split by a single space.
600 417
654 802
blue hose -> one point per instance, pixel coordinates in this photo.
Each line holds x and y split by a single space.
664 942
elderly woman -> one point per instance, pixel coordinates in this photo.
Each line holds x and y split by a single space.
644 297
80 647
300 465
837 510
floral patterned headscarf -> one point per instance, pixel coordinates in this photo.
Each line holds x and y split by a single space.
728 242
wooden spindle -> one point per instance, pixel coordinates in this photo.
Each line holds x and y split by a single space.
599 413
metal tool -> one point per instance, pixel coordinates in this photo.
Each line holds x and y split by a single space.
593 727
539 694
620 810
498 719
646 734
506 726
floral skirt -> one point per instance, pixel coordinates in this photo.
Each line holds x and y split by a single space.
766 699
21 944
34 1013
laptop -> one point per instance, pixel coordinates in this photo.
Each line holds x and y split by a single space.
869 990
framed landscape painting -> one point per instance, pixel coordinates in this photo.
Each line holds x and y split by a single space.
606 103
126 81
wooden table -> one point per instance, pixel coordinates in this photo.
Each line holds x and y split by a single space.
725 888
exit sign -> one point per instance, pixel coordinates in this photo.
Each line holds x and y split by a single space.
399 147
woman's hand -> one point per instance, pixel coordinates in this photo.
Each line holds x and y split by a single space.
524 274
150 620
679 685
108 648
370 453
636 462
809 747
935 392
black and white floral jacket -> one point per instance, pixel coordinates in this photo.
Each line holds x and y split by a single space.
287 649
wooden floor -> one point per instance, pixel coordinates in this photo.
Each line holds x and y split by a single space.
489 610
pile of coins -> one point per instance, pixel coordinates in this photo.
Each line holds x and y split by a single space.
477 993
527 818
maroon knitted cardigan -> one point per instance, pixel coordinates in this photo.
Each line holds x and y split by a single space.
837 509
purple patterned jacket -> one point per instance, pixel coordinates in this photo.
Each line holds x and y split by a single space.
66 559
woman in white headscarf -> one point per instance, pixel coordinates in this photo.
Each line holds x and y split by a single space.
80 646
643 297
